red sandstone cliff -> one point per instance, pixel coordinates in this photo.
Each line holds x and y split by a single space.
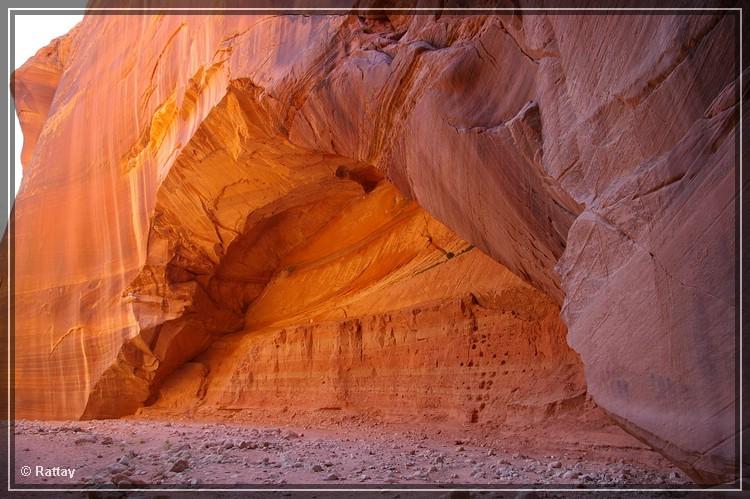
266 203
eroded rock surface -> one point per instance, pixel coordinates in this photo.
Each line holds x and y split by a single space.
195 187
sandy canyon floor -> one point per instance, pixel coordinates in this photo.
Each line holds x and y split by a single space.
335 450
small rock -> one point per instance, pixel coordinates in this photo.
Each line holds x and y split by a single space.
289 434
85 439
119 478
247 444
331 477
116 468
179 466
554 465
317 468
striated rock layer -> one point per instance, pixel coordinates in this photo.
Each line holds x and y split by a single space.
262 190
496 354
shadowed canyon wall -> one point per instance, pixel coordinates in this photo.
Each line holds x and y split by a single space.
228 212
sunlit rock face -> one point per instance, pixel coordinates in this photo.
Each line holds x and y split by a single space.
266 203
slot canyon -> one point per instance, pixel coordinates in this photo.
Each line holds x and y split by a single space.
500 234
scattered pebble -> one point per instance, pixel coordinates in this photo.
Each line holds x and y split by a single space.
179 466
143 452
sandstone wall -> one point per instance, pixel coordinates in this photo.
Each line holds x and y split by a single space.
591 155
455 361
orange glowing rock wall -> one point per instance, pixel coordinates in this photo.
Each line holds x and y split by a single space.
186 178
